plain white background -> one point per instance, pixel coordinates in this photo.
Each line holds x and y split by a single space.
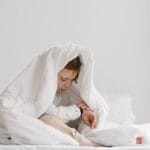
117 31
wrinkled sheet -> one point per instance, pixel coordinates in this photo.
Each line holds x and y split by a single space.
64 147
122 135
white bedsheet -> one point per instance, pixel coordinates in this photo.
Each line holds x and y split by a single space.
118 136
122 135
64 147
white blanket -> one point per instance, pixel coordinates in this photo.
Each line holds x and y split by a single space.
121 135
29 96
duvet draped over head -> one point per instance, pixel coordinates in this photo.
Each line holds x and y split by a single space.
33 90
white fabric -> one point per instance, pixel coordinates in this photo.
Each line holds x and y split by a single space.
122 135
120 107
65 113
23 129
33 91
66 147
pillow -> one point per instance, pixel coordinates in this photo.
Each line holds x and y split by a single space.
120 109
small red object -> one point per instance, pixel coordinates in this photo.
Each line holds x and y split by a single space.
139 140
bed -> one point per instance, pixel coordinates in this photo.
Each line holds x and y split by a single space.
64 147
120 113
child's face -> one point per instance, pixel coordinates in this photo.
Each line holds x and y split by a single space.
65 79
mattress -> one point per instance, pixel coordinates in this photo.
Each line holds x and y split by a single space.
64 147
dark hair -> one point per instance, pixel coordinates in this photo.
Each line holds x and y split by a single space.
74 64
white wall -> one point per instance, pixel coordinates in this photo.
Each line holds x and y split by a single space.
117 30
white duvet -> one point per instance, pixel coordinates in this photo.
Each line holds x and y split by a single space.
122 135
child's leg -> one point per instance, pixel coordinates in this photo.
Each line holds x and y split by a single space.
60 125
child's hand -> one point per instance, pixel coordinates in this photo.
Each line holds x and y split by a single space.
89 117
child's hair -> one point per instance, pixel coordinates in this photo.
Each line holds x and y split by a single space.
74 64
